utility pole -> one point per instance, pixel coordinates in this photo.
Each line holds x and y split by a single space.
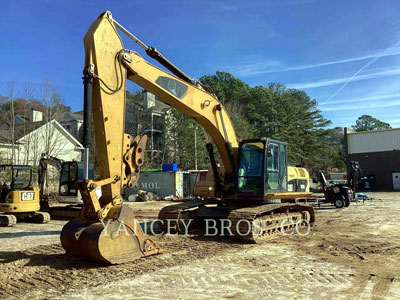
12 132
11 92
152 137
195 147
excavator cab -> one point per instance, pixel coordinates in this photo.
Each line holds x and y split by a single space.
262 168
15 177
71 172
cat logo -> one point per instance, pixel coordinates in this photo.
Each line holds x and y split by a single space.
26 196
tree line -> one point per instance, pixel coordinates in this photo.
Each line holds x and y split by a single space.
274 111
16 105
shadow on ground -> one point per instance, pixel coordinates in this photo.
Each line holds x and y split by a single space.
27 233
59 261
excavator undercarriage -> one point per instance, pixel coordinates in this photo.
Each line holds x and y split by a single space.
247 223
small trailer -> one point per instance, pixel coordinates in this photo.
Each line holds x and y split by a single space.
338 194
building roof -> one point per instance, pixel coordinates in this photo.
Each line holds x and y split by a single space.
78 115
373 141
60 128
349 131
69 116
19 131
4 135
159 106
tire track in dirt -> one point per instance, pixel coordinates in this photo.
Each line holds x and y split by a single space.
45 267
365 238
351 253
267 270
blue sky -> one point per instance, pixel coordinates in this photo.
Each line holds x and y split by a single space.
345 54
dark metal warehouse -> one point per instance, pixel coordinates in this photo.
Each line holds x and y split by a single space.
378 153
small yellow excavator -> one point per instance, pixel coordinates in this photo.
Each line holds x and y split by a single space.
70 172
251 189
19 200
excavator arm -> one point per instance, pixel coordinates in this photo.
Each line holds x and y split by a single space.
107 66
44 161
107 60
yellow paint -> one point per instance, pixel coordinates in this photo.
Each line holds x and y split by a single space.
15 204
102 44
299 173
287 195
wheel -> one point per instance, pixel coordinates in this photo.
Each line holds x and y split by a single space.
347 203
339 203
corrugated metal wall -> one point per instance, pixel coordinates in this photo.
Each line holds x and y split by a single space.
374 141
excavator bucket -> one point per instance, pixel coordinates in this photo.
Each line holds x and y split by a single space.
111 241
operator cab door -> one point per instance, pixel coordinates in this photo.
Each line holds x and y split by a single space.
276 179
16 178
68 177
251 169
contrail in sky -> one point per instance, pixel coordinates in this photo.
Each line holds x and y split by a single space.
360 106
377 97
361 69
260 68
308 85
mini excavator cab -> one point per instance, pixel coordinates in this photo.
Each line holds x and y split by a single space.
15 177
262 168
72 171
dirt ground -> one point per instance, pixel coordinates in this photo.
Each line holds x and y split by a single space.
351 253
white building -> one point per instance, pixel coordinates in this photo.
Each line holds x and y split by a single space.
51 138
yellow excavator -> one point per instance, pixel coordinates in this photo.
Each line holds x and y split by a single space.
70 172
248 190
19 199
